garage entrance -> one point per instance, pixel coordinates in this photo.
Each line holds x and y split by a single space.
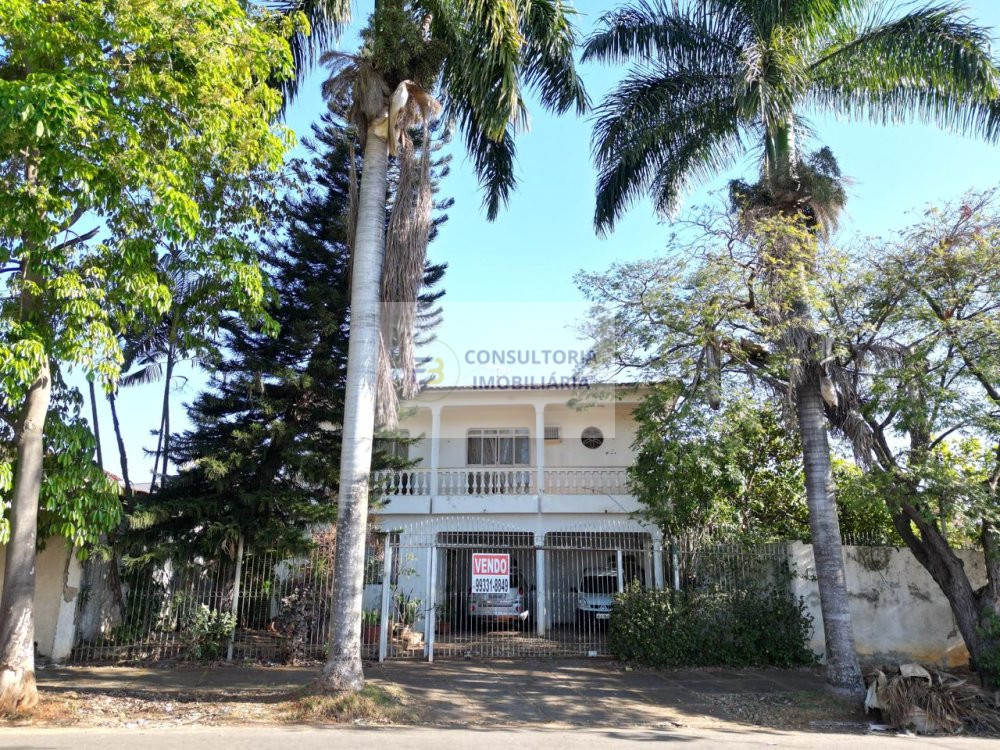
549 594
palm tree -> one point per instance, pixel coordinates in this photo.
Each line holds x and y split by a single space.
716 79
420 57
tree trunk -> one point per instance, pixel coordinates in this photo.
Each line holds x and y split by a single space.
343 670
162 439
97 428
17 617
973 610
843 674
122 455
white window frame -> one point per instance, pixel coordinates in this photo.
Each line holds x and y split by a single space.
498 433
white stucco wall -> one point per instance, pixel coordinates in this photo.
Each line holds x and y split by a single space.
57 586
899 612
464 410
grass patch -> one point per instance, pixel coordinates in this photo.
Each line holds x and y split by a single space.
373 705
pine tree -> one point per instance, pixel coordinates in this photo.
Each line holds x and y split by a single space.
262 458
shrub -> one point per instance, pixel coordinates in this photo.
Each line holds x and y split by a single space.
206 633
761 626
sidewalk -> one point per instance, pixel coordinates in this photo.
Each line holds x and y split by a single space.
595 693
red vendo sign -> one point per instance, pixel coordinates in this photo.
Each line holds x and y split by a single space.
489 564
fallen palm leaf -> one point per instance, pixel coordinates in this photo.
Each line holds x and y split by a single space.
930 701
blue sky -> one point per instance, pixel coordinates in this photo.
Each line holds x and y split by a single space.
510 282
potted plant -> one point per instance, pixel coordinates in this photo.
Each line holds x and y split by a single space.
407 612
442 618
370 621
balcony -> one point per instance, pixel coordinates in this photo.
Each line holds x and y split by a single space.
479 490
479 482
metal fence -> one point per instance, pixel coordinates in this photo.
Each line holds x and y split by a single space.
420 598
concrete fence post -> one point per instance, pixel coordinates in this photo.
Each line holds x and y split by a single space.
235 606
383 631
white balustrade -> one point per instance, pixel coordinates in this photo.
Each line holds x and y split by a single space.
566 481
405 481
494 481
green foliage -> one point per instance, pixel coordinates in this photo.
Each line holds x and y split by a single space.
263 457
206 633
78 501
758 626
128 126
697 471
480 60
712 80
988 660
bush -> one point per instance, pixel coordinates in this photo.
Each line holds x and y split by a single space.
206 633
751 627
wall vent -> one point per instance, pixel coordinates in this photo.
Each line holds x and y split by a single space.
551 433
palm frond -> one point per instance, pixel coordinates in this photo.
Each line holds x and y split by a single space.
495 46
658 131
150 373
647 31
547 60
326 18
494 164
932 63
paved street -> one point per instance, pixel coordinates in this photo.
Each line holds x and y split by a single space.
310 738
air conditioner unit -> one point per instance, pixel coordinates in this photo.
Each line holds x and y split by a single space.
551 433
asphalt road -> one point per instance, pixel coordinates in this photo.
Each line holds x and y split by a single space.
318 738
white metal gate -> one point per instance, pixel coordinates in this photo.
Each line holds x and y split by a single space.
556 601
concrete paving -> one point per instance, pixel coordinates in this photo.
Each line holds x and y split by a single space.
413 738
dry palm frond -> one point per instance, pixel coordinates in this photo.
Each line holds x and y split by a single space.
930 701
406 242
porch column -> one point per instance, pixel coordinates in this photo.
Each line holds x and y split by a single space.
435 447
540 447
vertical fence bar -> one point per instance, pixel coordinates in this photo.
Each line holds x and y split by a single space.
540 586
428 595
235 605
620 567
431 605
383 631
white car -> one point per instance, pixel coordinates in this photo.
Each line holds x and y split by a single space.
503 607
595 594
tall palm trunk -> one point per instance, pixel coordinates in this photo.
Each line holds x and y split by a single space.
843 673
17 617
343 671
97 427
122 455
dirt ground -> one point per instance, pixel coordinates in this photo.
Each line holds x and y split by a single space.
450 693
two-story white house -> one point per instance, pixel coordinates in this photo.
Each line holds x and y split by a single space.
538 473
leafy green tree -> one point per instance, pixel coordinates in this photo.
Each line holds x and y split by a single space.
715 79
736 472
473 59
261 461
127 126
919 331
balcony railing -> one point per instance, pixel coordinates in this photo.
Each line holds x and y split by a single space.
610 481
520 481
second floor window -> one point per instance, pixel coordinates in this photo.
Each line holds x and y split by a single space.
395 446
498 447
